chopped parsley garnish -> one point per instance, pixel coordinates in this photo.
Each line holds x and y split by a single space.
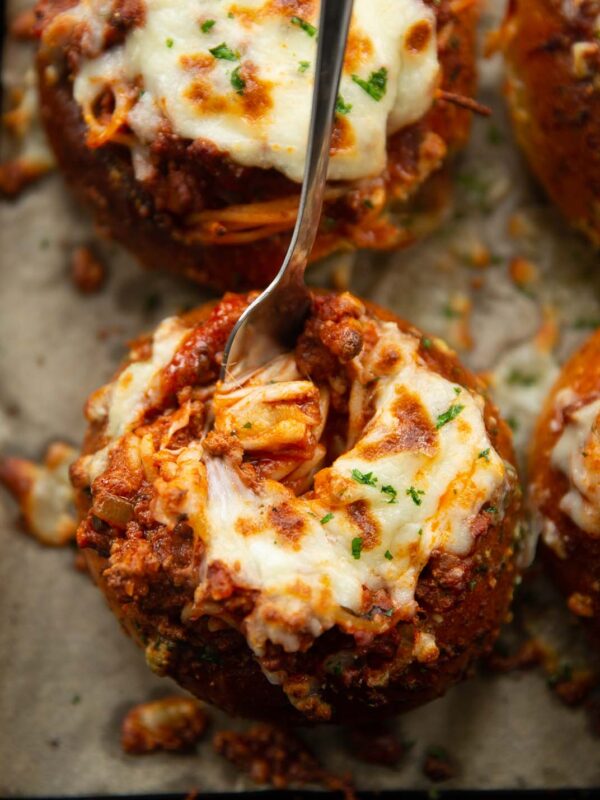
389 490
586 322
366 478
388 555
457 390
426 343
518 378
368 203
357 545
341 107
451 313
485 454
224 52
239 84
376 86
306 26
169 42
494 135
513 424
327 518
415 495
247 425
207 25
420 532
448 416
303 66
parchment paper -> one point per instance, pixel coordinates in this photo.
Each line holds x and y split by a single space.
68 674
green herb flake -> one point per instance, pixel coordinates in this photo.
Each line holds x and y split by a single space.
495 135
238 83
357 545
518 378
341 107
247 425
368 203
438 752
485 454
426 343
415 495
513 424
303 66
327 518
208 25
584 323
388 555
366 478
391 492
169 42
376 86
450 312
448 416
306 26
224 52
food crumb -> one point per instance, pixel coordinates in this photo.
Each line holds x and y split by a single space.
575 687
439 765
373 745
44 493
17 174
174 723
581 605
271 755
23 25
522 272
530 654
88 273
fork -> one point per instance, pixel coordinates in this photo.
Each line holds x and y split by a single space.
271 323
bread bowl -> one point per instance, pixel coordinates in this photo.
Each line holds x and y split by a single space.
552 54
183 125
564 482
337 545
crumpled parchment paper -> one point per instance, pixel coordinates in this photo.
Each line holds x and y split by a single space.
68 674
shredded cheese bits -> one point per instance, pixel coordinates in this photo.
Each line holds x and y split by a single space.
238 75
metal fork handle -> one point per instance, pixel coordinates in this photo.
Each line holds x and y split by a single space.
334 25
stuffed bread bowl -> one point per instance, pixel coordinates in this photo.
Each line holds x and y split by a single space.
564 464
552 52
183 125
338 545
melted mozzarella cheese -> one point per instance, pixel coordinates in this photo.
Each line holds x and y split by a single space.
253 102
577 455
120 405
413 482
413 502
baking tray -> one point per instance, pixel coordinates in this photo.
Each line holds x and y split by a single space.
68 674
